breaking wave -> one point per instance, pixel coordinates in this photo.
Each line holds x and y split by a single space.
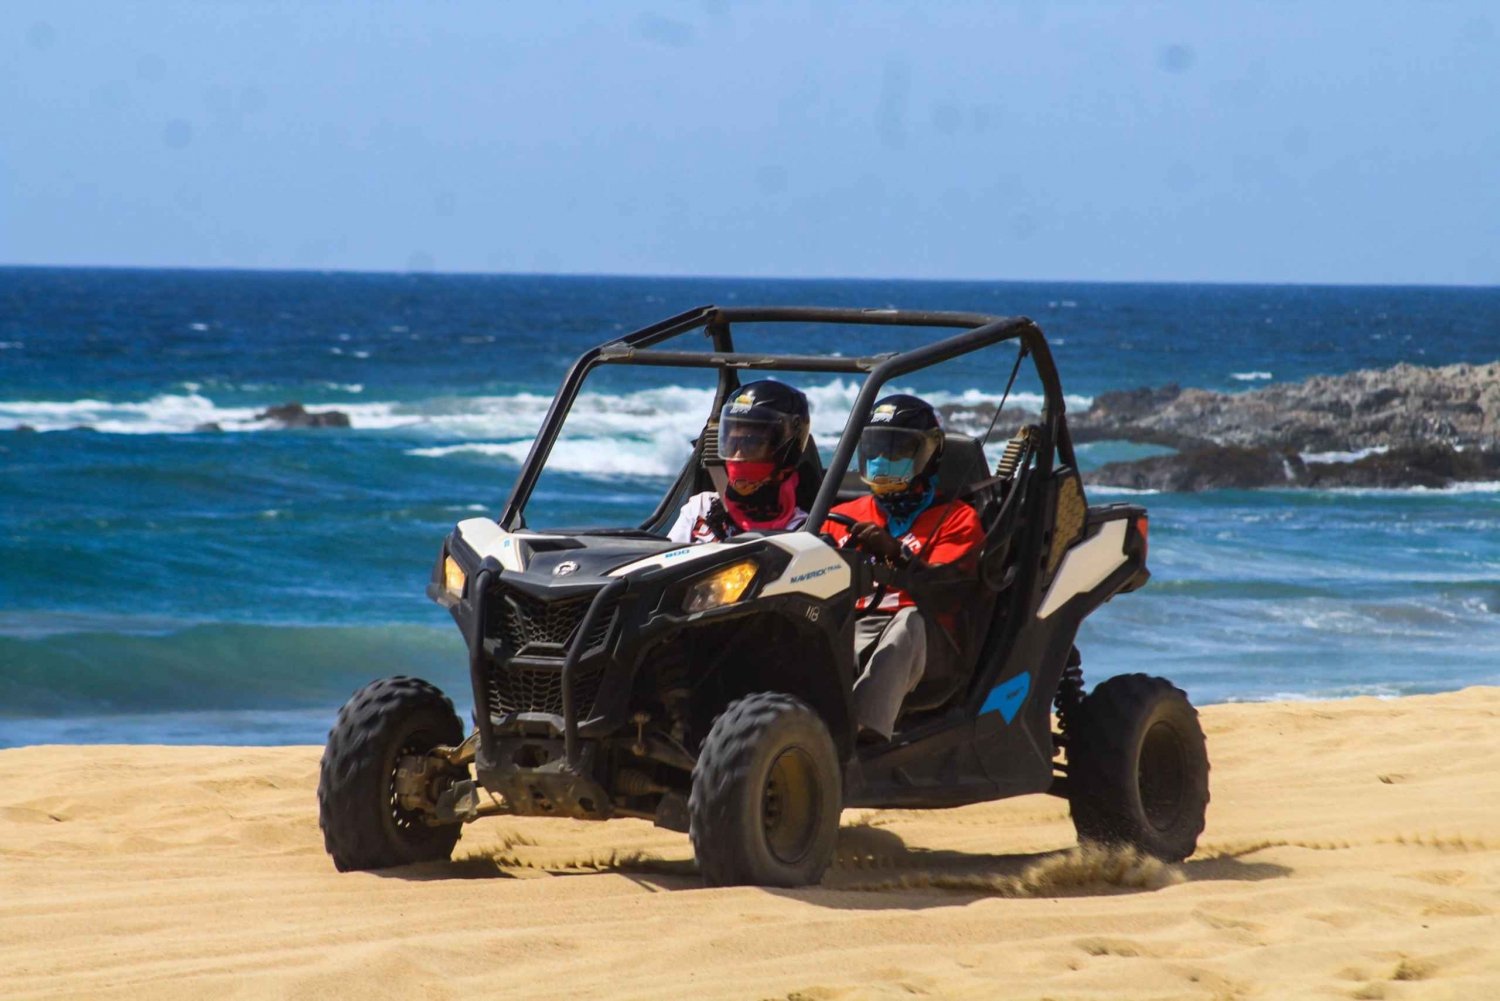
593 456
650 432
214 667
1473 487
173 413
1102 490
513 416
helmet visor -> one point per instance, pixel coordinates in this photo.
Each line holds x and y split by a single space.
747 438
889 458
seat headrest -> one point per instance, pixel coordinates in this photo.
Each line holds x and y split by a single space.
809 475
963 464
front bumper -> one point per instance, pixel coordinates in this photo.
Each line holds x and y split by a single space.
536 779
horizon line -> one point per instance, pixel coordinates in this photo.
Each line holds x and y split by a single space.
466 273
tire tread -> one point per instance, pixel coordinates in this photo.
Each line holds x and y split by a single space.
1103 740
350 774
726 762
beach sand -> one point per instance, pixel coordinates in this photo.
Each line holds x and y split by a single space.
1352 851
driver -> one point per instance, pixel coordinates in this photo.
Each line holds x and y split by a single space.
763 430
930 544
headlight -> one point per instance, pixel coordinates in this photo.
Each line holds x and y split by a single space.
453 577
722 587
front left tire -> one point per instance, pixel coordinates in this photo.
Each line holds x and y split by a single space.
767 793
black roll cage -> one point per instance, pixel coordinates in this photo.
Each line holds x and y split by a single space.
978 331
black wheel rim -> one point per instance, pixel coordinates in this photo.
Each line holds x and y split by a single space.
1162 775
410 825
790 806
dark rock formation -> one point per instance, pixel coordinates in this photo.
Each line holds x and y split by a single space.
1422 466
24 429
1206 467
1132 404
295 415
1437 426
1404 406
212 427
1232 467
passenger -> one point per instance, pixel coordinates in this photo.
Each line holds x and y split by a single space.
763 430
932 545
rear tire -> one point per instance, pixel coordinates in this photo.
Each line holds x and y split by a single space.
364 827
1138 767
767 793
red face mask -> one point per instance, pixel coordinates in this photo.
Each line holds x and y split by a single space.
786 509
747 477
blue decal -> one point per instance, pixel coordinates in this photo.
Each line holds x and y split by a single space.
1008 696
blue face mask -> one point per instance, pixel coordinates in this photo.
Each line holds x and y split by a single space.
883 467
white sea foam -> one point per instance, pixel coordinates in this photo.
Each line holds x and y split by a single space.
1250 376
1452 489
1353 691
1100 490
166 414
587 456
171 413
11 345
644 433
1353 456
663 417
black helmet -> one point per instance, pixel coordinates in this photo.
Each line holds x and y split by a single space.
764 422
902 442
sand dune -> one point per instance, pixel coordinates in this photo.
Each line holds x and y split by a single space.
1352 851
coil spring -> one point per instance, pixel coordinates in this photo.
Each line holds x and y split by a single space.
1069 692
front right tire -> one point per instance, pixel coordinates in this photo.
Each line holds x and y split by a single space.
767 793
364 824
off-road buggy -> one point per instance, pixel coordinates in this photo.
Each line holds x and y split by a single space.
707 687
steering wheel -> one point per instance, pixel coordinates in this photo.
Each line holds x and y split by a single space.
880 585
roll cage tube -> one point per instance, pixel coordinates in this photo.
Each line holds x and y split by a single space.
633 349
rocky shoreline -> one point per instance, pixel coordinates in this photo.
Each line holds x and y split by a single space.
1406 426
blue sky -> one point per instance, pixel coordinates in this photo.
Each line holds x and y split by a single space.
1231 141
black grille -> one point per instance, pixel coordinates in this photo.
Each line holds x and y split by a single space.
540 633
517 689
536 628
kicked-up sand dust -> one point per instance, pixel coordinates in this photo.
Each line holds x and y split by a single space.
1352 851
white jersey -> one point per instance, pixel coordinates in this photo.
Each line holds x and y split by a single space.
692 520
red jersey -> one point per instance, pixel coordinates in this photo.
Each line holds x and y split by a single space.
945 533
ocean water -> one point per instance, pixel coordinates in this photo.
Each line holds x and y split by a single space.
160 582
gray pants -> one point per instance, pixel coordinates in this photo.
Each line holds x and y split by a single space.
893 650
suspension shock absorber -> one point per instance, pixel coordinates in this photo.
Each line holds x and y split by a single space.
1069 693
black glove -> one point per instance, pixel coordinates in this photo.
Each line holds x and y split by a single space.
717 520
876 541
